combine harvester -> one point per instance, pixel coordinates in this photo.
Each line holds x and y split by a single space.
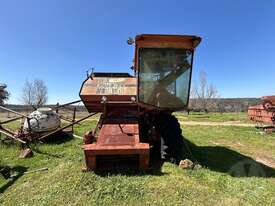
264 114
137 129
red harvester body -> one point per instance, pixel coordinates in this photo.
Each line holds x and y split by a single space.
129 132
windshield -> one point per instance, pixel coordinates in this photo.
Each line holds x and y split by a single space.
164 76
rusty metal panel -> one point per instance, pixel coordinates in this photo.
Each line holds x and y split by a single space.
269 98
269 102
167 41
117 140
109 86
95 149
259 114
96 91
118 134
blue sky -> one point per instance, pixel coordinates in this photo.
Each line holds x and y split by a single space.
58 40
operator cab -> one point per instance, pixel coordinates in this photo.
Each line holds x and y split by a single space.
164 66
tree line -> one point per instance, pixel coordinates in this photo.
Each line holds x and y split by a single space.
4 94
34 93
204 97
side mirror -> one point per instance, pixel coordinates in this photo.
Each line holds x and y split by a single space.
130 41
90 73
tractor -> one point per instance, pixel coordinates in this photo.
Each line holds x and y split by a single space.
136 128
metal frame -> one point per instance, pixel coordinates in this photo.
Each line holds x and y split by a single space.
30 136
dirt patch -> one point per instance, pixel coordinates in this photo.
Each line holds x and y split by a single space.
228 123
268 161
226 143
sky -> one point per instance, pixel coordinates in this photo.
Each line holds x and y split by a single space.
59 40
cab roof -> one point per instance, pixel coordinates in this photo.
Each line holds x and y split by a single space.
160 40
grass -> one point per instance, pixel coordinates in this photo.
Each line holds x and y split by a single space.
213 117
219 149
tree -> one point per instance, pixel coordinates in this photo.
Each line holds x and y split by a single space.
4 94
34 93
205 95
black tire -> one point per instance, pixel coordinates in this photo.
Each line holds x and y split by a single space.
172 147
146 124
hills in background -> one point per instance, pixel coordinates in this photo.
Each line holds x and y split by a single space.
223 104
218 105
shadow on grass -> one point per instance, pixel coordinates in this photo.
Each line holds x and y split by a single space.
15 173
8 142
222 159
58 138
36 149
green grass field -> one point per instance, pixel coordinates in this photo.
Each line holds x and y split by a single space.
213 117
228 155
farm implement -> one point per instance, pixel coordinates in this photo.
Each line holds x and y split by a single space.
264 114
136 128
41 123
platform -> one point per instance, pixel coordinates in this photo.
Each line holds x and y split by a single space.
117 146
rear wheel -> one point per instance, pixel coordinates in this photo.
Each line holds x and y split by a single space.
172 143
149 135
162 131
